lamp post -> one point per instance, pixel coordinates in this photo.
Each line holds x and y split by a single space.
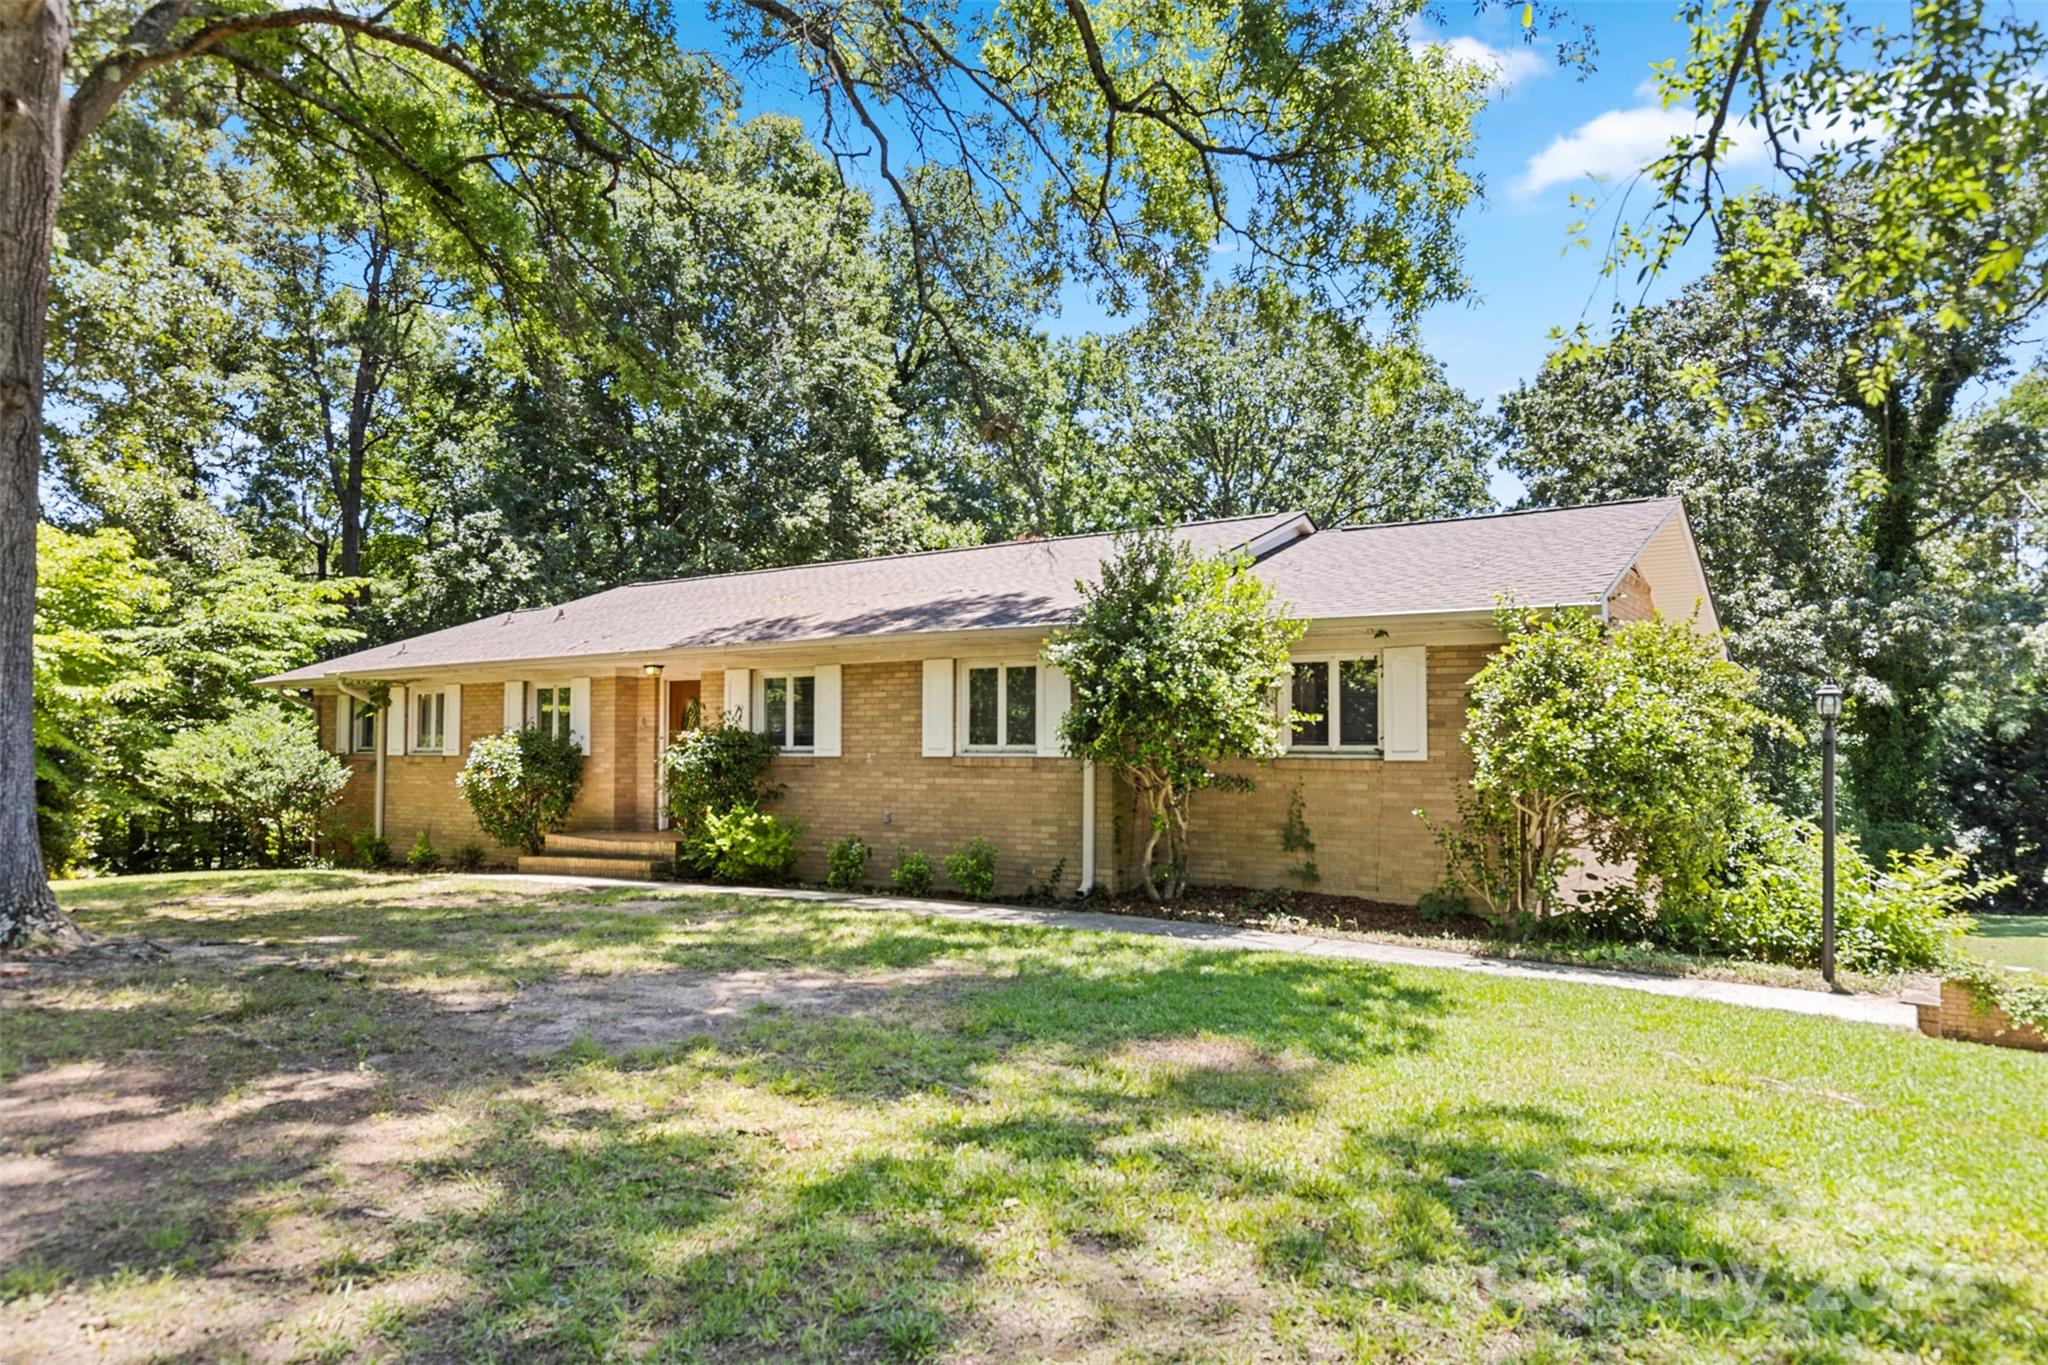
1828 703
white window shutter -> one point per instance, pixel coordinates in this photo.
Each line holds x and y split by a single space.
827 712
1404 693
515 704
739 696
579 712
344 714
938 708
396 722
1055 695
451 723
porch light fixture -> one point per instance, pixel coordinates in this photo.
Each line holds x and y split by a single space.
650 670
1827 703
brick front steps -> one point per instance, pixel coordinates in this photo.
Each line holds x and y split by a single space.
635 854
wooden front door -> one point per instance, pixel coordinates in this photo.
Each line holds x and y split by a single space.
683 694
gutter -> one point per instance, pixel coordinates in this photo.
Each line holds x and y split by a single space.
1087 883
382 743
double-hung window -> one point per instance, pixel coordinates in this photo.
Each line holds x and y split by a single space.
551 709
999 707
789 710
1336 704
362 727
430 721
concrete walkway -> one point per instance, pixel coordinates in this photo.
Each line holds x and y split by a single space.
1862 1009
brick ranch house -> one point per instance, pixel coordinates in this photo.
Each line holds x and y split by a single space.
912 707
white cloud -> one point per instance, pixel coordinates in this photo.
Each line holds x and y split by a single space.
1621 142
1510 65
1507 66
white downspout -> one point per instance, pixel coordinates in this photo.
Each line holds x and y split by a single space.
383 719
1087 827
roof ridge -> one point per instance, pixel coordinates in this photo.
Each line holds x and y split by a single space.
1507 512
907 554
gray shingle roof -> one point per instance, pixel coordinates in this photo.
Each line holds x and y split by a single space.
1549 558
1570 556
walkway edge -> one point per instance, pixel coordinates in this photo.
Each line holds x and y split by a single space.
1860 1009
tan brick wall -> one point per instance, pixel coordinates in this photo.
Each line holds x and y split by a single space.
419 789
884 789
1630 600
1960 1013
1359 811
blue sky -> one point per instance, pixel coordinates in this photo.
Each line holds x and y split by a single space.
1547 134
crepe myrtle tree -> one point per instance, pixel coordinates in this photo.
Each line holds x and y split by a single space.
1173 660
1118 143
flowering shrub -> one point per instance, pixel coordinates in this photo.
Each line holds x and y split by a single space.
520 784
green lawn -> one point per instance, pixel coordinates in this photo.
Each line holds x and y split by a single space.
2015 940
343 1135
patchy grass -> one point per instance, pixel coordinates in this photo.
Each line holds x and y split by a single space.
2012 941
309 1129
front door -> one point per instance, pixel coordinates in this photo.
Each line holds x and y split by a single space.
684 696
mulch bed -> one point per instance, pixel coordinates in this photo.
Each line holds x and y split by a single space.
1287 909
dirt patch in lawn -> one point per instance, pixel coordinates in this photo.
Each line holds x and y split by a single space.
630 1012
281 1144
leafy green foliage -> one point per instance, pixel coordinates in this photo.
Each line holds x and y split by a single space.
1997 785
1906 913
1173 659
130 653
1295 837
1627 745
714 769
520 785
369 850
913 874
422 856
1251 402
846 863
468 856
972 868
744 844
1938 119
251 786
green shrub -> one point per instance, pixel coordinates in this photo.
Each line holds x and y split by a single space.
468 856
1628 744
972 868
421 857
722 768
846 862
369 850
521 784
913 874
250 787
744 844
1907 914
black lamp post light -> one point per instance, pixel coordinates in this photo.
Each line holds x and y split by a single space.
1828 703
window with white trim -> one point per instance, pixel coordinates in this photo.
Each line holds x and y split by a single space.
999 708
430 723
1336 703
551 709
362 727
786 710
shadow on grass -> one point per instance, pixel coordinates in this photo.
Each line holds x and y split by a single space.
1117 1098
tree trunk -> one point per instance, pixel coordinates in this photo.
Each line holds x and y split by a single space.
1892 770
35 38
